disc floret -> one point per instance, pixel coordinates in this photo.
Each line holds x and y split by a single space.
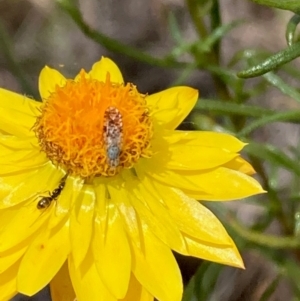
93 128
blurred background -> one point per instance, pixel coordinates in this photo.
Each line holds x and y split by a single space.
203 44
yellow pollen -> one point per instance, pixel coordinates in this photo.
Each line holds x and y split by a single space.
92 128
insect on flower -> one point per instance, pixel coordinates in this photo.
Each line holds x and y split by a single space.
113 134
134 177
45 201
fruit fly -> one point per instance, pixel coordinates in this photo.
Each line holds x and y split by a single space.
113 135
45 201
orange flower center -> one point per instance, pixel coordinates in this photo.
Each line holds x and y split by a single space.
93 128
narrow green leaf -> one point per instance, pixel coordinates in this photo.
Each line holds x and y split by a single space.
272 62
292 5
189 291
248 54
286 89
203 6
273 155
199 47
291 30
270 289
205 283
224 108
262 239
216 35
291 116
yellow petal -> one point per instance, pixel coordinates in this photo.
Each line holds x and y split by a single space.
61 208
19 103
156 269
136 292
81 223
213 185
23 221
87 283
128 213
44 258
112 253
101 211
240 165
61 287
153 213
48 80
22 160
105 65
8 283
187 157
8 183
189 215
30 187
222 141
16 123
171 106
228 255
8 258
13 143
81 74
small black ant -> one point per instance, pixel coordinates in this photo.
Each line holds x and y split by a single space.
45 201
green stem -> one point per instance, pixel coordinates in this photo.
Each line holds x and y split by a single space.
266 240
213 56
114 45
216 21
196 16
220 108
289 116
292 5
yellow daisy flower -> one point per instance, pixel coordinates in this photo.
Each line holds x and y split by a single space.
97 188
